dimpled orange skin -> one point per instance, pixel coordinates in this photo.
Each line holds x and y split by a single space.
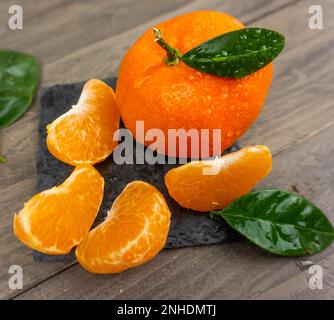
134 231
214 184
181 97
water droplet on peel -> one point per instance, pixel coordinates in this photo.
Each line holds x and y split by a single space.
199 74
139 83
230 133
207 101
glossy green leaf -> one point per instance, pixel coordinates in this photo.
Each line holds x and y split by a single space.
19 77
280 222
236 54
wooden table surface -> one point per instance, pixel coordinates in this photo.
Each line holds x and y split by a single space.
78 40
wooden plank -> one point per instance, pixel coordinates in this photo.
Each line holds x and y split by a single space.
30 12
19 143
16 173
300 101
230 271
53 34
118 47
110 51
297 287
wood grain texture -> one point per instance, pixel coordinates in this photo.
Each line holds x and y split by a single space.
18 143
230 271
296 123
50 33
110 51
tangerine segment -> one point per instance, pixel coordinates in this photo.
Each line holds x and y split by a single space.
179 97
85 134
134 231
56 220
213 184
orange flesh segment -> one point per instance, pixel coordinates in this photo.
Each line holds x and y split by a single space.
232 176
85 134
56 220
134 231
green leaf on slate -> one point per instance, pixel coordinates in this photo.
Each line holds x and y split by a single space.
236 54
280 222
19 77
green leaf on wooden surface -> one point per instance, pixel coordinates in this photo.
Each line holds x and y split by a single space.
280 222
19 77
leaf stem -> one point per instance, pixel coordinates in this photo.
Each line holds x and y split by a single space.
173 54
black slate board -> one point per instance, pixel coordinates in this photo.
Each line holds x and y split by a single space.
188 228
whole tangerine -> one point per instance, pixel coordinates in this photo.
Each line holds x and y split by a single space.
179 97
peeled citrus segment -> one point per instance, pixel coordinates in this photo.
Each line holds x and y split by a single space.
134 231
85 133
213 184
56 220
